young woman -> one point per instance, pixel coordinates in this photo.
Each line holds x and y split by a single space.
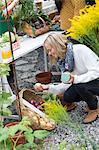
68 9
83 65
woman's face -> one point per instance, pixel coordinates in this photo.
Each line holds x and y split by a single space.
51 50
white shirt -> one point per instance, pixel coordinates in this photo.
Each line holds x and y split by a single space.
86 68
86 64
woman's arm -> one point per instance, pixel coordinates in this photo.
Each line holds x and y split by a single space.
90 62
53 88
59 88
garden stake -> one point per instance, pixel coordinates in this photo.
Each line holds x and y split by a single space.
13 64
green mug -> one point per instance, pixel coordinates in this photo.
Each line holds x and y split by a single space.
65 77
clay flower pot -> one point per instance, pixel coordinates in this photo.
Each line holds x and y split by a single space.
44 77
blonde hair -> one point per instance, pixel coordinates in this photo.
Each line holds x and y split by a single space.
57 41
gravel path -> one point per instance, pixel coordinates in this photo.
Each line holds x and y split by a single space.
27 67
66 133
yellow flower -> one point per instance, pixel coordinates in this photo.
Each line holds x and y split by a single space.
88 19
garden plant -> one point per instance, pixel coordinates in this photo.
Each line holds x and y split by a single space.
4 96
9 136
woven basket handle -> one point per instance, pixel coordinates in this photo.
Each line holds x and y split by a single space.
21 93
43 21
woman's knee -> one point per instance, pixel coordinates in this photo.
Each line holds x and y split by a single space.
67 96
70 94
79 87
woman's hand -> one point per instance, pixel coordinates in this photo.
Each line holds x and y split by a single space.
71 78
40 87
67 77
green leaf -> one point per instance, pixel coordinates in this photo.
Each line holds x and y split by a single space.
41 134
4 69
4 134
17 128
29 137
62 145
6 112
8 145
26 146
13 130
25 121
4 97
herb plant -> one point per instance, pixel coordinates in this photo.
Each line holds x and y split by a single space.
55 110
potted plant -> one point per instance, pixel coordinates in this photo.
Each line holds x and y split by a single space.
11 135
26 17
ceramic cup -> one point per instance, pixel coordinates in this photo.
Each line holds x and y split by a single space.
65 77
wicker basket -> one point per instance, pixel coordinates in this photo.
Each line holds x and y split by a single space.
39 119
33 32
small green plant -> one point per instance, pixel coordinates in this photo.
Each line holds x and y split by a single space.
4 69
55 110
4 99
7 134
4 96
63 145
48 96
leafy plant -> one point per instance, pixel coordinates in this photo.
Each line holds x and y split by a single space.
24 12
63 145
4 99
55 110
7 133
4 69
4 96
85 27
48 96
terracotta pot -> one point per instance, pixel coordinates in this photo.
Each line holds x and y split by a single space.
44 77
21 136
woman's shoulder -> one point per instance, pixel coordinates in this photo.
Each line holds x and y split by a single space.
81 48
